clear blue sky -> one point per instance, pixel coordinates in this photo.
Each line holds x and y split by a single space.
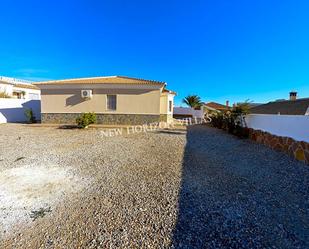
218 49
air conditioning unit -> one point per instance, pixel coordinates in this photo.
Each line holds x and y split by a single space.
86 94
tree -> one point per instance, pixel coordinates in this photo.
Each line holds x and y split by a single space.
241 108
193 101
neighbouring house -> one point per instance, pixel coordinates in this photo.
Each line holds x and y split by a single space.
19 89
116 100
293 106
187 112
213 106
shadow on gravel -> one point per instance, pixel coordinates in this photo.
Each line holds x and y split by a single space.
171 132
68 127
238 194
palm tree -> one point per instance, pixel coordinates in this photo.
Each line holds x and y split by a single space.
193 101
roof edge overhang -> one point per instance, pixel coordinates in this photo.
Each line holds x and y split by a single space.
98 86
169 93
95 80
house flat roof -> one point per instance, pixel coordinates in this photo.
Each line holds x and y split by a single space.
103 80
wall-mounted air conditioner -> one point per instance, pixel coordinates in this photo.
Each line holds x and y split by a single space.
86 94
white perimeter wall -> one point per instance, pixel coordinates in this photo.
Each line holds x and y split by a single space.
13 110
294 126
188 111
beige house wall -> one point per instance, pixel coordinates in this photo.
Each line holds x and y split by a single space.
166 114
129 101
163 103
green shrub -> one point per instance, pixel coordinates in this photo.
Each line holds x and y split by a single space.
30 116
86 119
233 121
217 119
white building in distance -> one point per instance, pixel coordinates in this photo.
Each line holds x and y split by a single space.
18 88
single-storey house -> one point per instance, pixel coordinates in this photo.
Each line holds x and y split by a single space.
18 88
115 100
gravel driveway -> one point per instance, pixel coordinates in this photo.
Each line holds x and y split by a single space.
239 194
196 189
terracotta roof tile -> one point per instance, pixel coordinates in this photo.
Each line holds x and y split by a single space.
103 80
217 106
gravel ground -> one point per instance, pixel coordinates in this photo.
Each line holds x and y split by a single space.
239 194
129 192
196 189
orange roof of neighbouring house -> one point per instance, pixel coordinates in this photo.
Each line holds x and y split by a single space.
103 80
19 85
217 106
27 86
5 82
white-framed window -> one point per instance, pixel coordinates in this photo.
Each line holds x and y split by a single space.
111 103
170 106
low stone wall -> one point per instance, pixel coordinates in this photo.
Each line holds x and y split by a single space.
297 149
108 119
